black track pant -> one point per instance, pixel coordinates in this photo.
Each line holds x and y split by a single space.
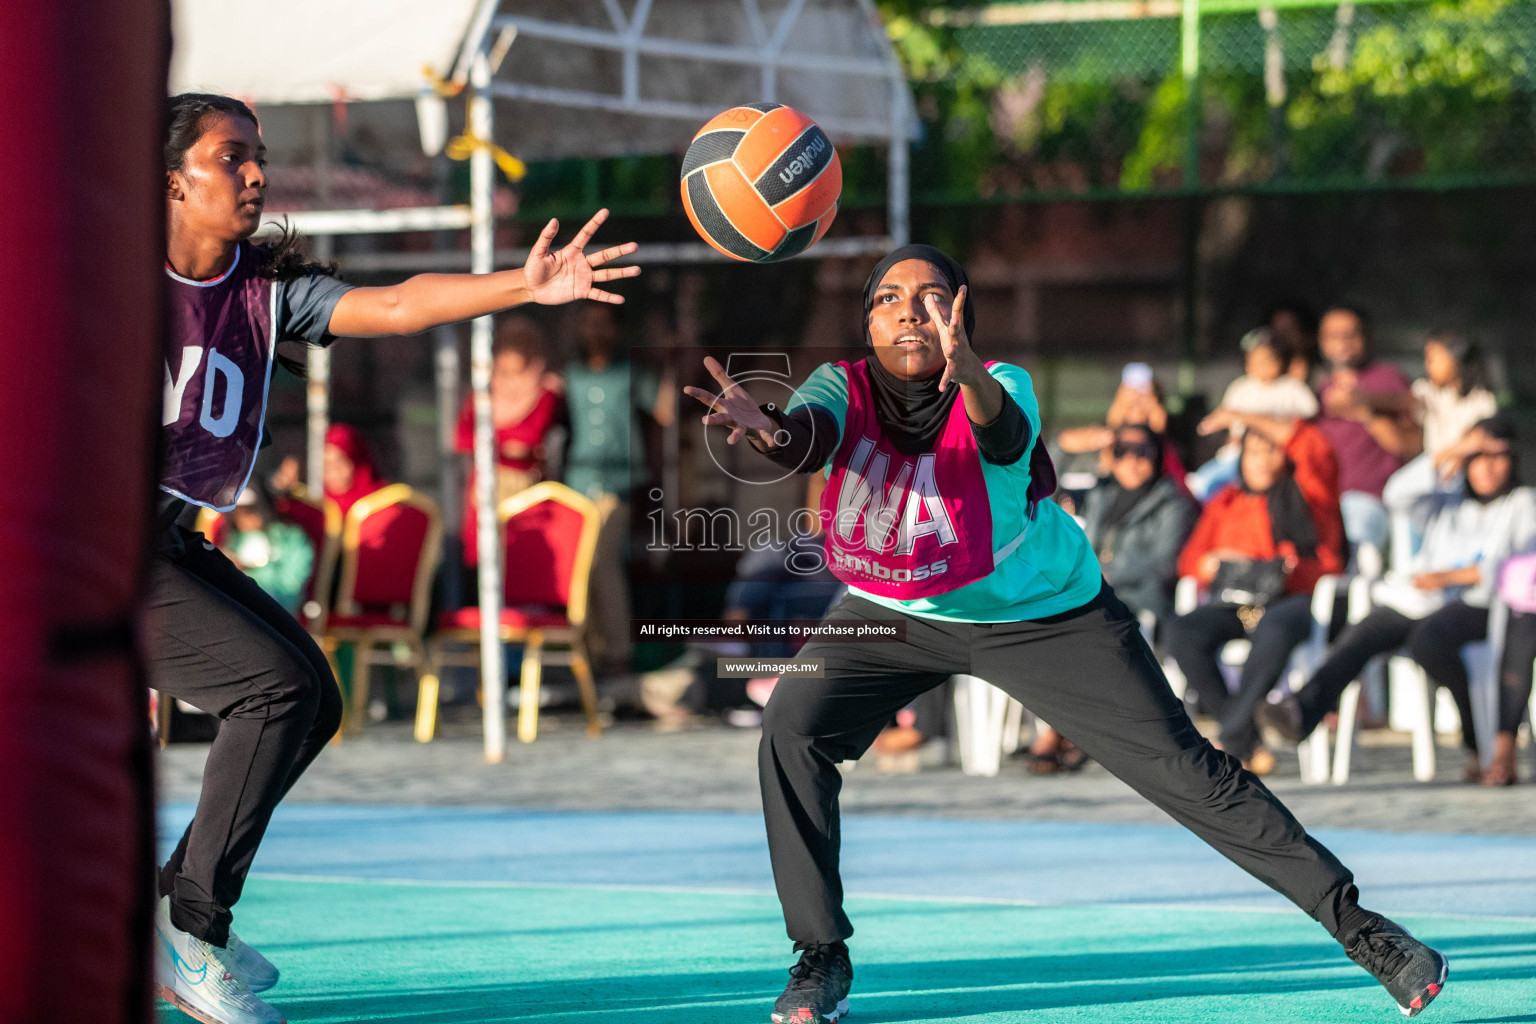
220 643
1515 671
1435 642
1195 641
1090 674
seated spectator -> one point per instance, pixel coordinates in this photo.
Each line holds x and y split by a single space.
1137 519
1137 401
1294 324
348 470
277 555
1264 389
1443 603
526 412
1283 516
1366 418
1448 401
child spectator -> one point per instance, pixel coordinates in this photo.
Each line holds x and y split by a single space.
1264 389
277 555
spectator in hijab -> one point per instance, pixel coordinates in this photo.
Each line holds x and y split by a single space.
1280 512
1137 519
1442 604
348 470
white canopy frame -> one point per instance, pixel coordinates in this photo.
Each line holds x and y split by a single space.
782 41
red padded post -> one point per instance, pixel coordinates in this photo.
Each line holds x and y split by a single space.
82 87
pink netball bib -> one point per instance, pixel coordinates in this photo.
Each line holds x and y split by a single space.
218 364
905 526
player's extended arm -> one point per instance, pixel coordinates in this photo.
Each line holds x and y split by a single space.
430 300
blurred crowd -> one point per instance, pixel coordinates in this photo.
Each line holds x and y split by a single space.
1328 503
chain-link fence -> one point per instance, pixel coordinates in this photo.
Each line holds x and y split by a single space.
1102 97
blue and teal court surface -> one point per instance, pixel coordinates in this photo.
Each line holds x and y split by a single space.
466 915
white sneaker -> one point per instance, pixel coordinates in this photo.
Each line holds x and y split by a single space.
199 978
258 973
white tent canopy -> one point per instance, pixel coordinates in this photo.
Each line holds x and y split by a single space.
315 51
546 79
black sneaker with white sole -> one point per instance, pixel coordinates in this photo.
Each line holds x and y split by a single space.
818 985
1411 971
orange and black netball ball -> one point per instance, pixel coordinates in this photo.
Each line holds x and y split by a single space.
761 182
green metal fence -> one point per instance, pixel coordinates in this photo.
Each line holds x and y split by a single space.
1103 97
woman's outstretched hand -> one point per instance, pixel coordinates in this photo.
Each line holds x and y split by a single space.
564 275
961 364
733 408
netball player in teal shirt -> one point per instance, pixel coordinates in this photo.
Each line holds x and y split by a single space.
935 516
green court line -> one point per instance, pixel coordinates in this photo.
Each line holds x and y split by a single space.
482 954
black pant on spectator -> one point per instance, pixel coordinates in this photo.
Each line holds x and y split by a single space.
220 643
1435 642
1089 673
1515 670
1195 640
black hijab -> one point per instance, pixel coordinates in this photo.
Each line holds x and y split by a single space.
912 413
1290 517
1499 428
1122 501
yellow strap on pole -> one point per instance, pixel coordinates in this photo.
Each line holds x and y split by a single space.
439 84
464 146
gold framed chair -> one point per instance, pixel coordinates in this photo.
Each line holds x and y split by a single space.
390 543
549 537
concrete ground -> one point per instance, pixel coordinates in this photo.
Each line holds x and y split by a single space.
713 768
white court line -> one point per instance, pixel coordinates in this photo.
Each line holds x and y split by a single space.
685 890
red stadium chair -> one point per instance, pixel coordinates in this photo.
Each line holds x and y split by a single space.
550 536
322 525
389 549
213 525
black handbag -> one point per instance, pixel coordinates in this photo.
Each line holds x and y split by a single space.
1252 584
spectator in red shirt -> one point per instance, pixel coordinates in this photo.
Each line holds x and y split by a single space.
1285 507
526 410
1367 416
348 471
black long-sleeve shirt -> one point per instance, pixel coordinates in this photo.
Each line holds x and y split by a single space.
813 436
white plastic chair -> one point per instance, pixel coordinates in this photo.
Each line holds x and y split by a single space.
988 725
1312 752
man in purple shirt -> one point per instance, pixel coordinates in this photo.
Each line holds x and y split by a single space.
1365 415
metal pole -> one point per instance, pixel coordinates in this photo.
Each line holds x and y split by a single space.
898 199
1190 64
317 392
483 250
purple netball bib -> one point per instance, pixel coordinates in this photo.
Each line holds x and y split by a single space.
905 526
218 364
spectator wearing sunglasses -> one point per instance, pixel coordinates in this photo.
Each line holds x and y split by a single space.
1137 518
